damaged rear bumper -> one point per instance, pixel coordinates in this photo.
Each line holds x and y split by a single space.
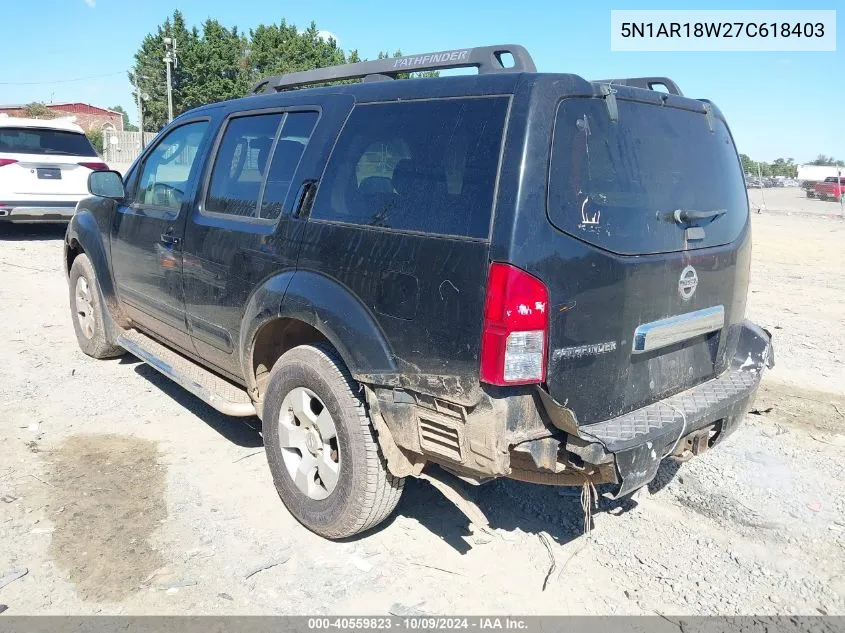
686 423
522 433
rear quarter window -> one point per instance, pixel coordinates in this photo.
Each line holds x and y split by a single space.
426 166
618 184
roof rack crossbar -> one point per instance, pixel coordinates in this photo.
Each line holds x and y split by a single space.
646 83
487 59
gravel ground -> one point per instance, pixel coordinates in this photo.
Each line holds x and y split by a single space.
122 494
791 200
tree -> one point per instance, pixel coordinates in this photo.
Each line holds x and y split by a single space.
96 138
38 110
127 126
821 159
212 67
784 167
278 49
216 63
151 72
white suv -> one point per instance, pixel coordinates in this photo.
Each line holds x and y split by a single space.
44 167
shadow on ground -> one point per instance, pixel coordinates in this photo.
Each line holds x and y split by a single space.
509 505
32 232
243 432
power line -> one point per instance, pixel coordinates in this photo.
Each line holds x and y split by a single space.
59 81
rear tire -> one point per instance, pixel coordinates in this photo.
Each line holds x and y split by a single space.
321 447
87 311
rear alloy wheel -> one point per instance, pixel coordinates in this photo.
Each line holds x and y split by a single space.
86 308
321 447
308 439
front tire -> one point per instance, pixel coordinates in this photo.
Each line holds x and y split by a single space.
87 311
321 447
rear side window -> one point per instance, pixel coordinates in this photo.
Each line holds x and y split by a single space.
618 185
243 165
427 166
293 138
41 141
240 164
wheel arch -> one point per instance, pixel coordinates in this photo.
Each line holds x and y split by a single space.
85 236
301 307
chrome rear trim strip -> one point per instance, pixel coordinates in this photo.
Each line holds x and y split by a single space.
665 332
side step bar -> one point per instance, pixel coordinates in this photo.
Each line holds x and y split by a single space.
205 385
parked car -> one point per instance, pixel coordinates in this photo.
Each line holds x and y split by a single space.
809 187
832 188
44 167
463 270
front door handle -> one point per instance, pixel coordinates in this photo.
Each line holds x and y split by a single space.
169 239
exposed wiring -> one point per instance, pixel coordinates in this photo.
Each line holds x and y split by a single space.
683 428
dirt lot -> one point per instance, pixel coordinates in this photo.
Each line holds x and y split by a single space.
120 493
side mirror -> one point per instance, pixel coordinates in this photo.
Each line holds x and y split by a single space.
106 184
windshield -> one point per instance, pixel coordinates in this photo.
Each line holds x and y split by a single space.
41 141
636 185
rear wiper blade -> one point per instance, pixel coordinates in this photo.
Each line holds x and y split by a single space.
682 216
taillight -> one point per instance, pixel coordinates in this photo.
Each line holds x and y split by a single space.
96 166
7 161
514 339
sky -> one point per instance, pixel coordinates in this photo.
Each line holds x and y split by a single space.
786 104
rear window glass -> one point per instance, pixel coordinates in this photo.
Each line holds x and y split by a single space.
619 185
427 166
38 141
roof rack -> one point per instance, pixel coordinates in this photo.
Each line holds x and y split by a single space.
646 83
487 59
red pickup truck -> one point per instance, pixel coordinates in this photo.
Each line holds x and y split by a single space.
832 188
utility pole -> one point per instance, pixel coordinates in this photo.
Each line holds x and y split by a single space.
170 59
140 101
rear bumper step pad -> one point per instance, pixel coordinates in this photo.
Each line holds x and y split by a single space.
641 439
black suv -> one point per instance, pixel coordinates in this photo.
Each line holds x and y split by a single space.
510 274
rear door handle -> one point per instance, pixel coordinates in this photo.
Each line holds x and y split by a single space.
305 199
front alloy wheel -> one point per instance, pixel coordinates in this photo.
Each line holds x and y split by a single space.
84 308
88 311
